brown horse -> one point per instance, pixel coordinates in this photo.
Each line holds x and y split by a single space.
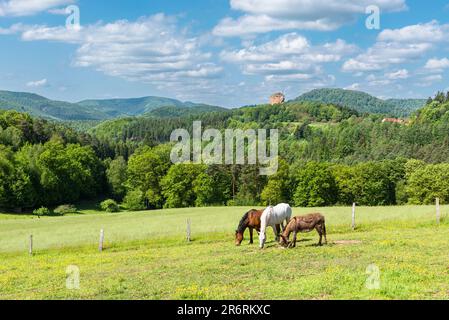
251 221
304 224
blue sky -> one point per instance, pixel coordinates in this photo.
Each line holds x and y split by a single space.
223 52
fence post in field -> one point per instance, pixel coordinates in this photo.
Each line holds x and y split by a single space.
438 211
100 247
189 236
30 249
353 216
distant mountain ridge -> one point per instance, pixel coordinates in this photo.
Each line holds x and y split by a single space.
364 102
40 106
151 106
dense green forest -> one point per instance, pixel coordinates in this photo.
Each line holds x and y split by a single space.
363 102
328 155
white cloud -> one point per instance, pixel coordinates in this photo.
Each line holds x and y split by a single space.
429 80
289 57
286 45
428 32
18 8
399 46
58 11
437 77
354 86
15 28
269 15
396 75
37 84
312 9
248 24
437 64
387 79
151 49
384 54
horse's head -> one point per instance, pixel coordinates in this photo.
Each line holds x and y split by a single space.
284 241
238 238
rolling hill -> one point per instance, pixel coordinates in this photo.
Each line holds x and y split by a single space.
99 109
363 102
136 106
45 108
160 107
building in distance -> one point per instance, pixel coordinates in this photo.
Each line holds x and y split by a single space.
277 98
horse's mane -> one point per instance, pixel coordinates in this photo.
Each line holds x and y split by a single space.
244 222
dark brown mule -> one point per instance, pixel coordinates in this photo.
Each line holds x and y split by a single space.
251 221
304 224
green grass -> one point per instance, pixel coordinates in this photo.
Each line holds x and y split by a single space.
146 257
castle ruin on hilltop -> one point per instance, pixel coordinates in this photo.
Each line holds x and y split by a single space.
277 98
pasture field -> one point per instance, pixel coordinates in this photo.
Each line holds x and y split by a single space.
147 257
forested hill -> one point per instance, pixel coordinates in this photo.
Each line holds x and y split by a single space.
42 107
363 102
88 110
143 106
45 108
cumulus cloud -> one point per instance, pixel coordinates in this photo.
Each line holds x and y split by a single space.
151 49
397 46
288 58
17 8
325 15
248 24
384 54
437 64
428 32
37 84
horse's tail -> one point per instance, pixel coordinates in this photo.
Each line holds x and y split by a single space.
289 213
323 221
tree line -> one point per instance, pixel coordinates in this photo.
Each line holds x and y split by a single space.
148 182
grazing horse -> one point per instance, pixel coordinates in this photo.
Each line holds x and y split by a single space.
271 217
250 220
304 224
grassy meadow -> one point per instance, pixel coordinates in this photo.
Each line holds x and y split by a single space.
147 257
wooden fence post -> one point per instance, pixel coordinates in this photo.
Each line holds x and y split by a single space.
438 211
189 236
100 247
30 248
353 216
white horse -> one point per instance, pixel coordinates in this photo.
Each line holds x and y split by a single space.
271 217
